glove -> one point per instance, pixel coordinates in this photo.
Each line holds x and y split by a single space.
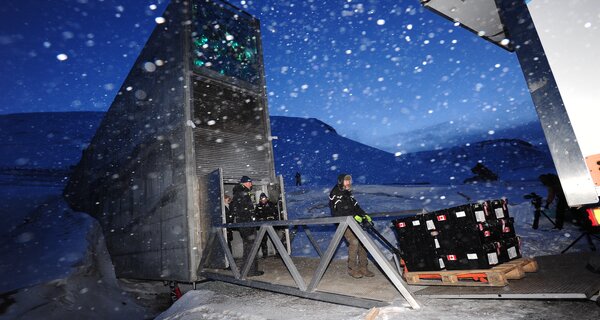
364 220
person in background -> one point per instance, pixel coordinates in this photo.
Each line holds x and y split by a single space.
243 211
298 179
265 211
342 203
229 218
555 192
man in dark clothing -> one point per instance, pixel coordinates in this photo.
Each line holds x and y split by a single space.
243 211
342 203
555 191
265 211
298 179
229 218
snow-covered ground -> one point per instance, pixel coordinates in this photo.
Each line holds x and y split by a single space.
216 300
53 261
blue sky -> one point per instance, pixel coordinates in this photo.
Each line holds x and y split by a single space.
369 68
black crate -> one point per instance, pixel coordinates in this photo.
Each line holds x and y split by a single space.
429 222
466 226
408 227
485 257
500 208
461 215
508 228
473 236
406 232
465 231
467 237
505 228
487 233
418 245
483 211
509 249
453 217
412 236
441 220
424 262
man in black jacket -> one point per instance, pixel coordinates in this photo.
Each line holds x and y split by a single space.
243 211
265 211
555 192
229 218
342 203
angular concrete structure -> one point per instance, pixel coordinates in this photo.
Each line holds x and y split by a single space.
192 106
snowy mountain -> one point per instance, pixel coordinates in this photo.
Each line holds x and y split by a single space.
51 142
46 141
456 133
511 159
314 149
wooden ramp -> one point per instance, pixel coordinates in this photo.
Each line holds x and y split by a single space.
558 277
497 276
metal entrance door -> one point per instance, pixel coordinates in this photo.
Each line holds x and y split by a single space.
215 256
277 191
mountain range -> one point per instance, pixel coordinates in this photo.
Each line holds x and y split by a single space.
54 142
456 133
315 149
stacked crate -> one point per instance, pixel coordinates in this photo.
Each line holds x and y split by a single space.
473 236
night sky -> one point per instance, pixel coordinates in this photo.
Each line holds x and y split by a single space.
369 68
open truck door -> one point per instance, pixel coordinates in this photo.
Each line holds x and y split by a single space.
557 48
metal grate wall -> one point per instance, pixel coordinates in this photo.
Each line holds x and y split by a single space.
230 132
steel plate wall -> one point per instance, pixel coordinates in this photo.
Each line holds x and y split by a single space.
132 177
230 132
547 96
479 16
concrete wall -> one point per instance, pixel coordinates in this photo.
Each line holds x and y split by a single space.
144 174
132 177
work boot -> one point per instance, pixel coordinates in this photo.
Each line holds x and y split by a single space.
367 273
356 274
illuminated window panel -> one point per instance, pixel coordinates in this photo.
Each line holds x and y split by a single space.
225 42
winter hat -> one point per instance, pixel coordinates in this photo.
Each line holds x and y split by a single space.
263 196
245 179
342 177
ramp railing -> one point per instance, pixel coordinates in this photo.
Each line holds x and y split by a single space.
302 288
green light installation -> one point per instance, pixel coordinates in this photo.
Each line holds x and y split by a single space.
225 42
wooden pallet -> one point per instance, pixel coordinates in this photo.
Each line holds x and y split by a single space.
497 276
